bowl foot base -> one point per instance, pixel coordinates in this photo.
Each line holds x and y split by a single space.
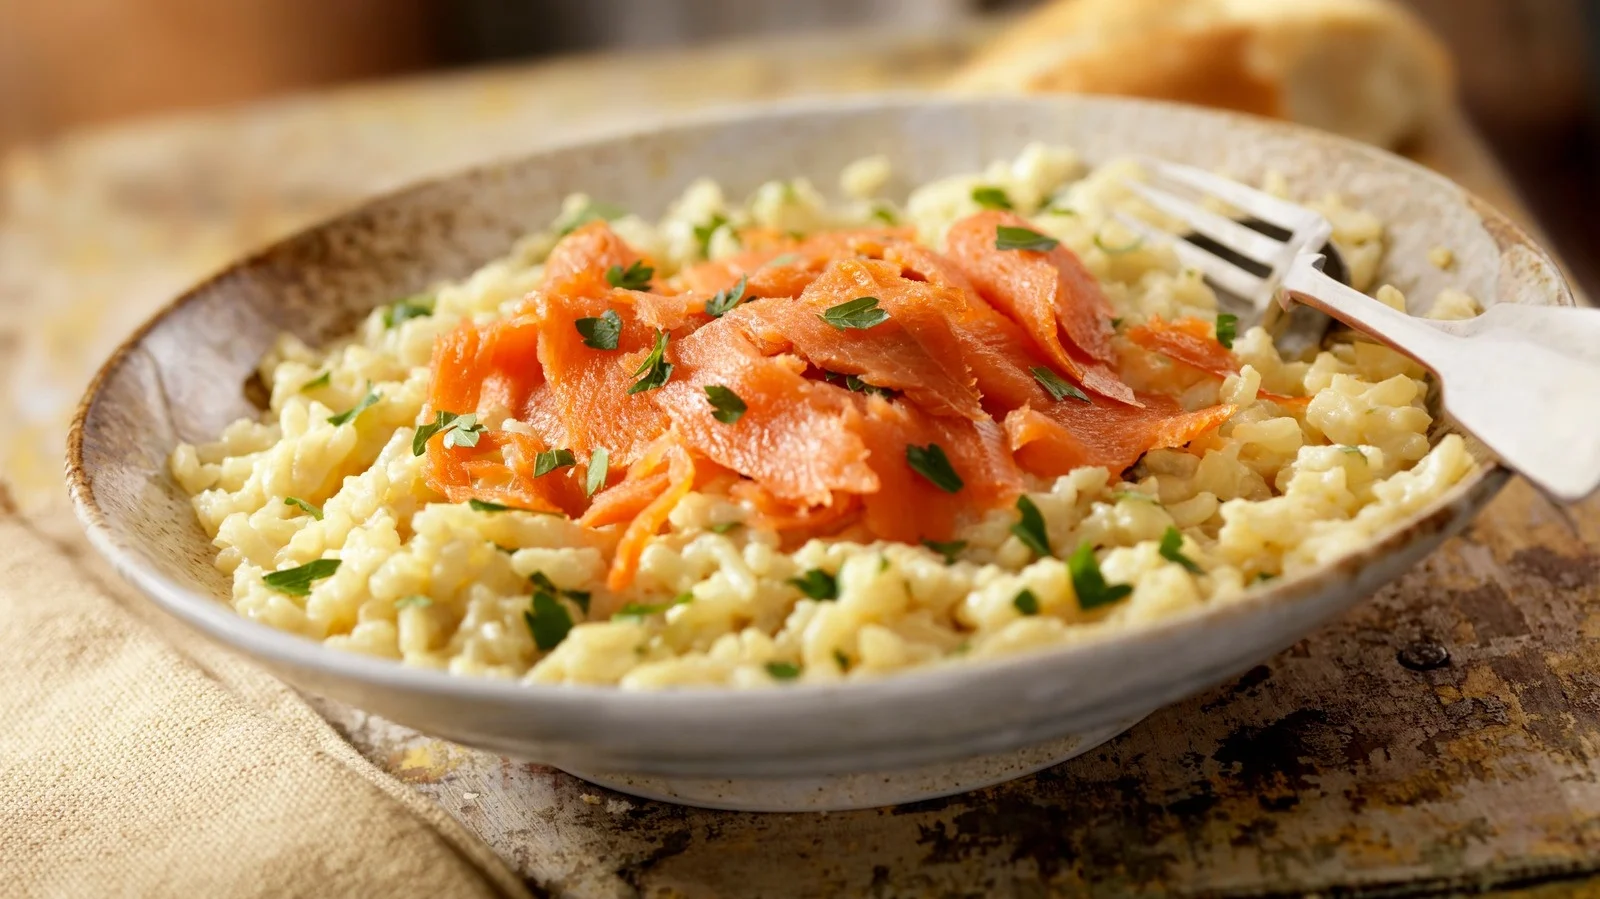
842 792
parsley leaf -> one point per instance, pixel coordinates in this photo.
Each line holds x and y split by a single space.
1139 495
542 583
949 549
723 301
931 462
635 277
727 406
640 610
308 508
319 381
297 581
1089 583
1008 237
416 601
856 385
1262 576
703 233
655 370
783 670
599 465
600 333
1227 329
548 620
842 660
1030 527
885 213
349 415
991 197
1058 386
1117 251
1172 550
860 313
479 505
458 430
419 306
817 584
723 527
1026 603
550 460
591 212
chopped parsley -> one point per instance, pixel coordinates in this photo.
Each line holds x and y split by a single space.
1030 527
885 213
842 660
1353 451
991 197
458 430
860 313
726 405
416 601
1172 550
1263 576
783 670
1058 386
349 415
479 505
419 306
856 385
543 584
1089 584
948 549
550 460
318 382
297 581
1009 237
703 233
548 621
723 301
1026 602
640 610
931 462
1139 495
655 370
591 212
723 527
308 508
635 277
1227 329
599 465
600 332
817 584
1117 251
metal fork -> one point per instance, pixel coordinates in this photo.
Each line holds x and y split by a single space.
1523 379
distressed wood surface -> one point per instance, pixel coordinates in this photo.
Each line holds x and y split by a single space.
1353 762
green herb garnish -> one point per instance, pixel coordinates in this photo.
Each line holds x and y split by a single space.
783 670
1227 329
308 508
723 301
599 465
842 660
1026 602
817 584
884 213
703 233
591 212
931 462
322 380
723 527
419 306
640 610
458 430
349 415
1030 527
1262 576
948 549
416 601
1139 495
602 331
548 620
726 405
856 385
635 277
542 583
297 581
991 198
655 370
1117 251
550 460
1172 550
860 313
1058 386
1008 237
1087 582
1353 451
480 505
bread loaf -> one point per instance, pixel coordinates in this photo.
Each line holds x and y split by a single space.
1363 68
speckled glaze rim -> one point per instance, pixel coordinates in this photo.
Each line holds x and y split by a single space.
214 617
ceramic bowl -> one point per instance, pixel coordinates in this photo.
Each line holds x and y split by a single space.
915 735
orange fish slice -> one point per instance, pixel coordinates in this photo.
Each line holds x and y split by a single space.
649 521
1053 440
1193 342
581 259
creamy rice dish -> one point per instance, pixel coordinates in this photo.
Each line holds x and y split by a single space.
799 439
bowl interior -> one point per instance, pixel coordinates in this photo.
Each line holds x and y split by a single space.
182 377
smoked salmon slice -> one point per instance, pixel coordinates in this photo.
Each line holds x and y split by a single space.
1193 342
581 259
1048 293
1053 440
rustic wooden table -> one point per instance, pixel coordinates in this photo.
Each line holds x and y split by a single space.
1353 763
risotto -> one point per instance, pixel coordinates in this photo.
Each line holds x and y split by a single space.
803 439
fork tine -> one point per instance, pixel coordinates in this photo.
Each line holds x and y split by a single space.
1222 273
1257 203
1227 232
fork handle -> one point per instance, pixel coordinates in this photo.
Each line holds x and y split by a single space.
1415 337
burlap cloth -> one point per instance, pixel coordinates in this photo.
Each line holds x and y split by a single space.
137 760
